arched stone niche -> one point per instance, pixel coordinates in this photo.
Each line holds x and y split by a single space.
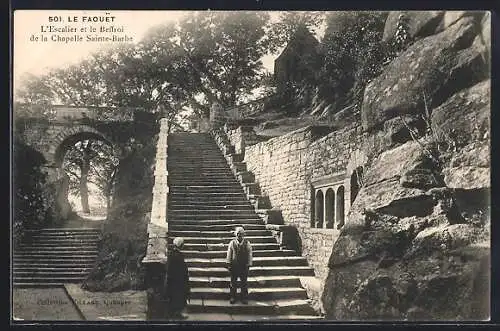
328 202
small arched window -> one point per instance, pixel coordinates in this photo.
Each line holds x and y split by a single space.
340 207
318 212
329 208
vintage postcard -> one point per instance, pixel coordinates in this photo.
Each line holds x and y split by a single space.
251 166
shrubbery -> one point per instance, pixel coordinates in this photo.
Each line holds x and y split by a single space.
348 57
34 202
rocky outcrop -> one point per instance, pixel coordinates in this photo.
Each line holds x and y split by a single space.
465 117
420 24
402 254
426 74
416 242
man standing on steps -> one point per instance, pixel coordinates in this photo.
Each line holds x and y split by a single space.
239 259
177 280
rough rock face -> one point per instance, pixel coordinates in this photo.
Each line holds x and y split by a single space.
420 24
407 253
416 242
465 117
438 66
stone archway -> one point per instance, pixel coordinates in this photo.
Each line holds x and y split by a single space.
70 136
58 148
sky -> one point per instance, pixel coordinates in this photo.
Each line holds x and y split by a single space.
36 56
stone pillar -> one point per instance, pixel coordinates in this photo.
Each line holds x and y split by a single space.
156 254
217 117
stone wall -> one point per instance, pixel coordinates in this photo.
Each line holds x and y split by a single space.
286 168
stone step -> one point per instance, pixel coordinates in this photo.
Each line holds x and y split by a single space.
176 158
60 246
222 253
205 165
189 198
257 294
219 227
201 168
214 221
202 213
39 267
51 272
67 230
174 171
34 281
257 262
179 190
216 196
61 240
211 317
219 186
203 206
34 251
253 282
39 284
223 234
254 271
269 307
53 260
226 240
194 180
64 234
222 246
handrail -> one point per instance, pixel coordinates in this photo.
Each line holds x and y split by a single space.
158 223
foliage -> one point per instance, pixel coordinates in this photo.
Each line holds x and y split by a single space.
90 161
34 198
353 55
400 41
125 239
205 58
287 25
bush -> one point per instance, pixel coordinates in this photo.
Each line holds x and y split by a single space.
34 202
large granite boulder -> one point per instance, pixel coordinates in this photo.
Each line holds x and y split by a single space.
420 23
406 252
465 117
409 269
444 285
426 74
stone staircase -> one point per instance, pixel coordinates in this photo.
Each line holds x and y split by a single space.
52 257
206 203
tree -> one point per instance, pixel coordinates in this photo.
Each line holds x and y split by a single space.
288 23
90 161
221 54
353 55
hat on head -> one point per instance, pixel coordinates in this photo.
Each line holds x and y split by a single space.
178 242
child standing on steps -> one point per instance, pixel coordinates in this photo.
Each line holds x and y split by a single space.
239 259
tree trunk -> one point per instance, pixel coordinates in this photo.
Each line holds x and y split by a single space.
84 190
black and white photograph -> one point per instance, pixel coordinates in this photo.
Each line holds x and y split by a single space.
174 166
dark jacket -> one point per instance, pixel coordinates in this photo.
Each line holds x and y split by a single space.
176 281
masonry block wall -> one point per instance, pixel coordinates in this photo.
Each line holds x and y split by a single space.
287 167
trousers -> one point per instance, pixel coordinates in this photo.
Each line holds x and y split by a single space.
242 274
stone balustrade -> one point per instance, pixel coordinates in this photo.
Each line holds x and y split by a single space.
158 224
